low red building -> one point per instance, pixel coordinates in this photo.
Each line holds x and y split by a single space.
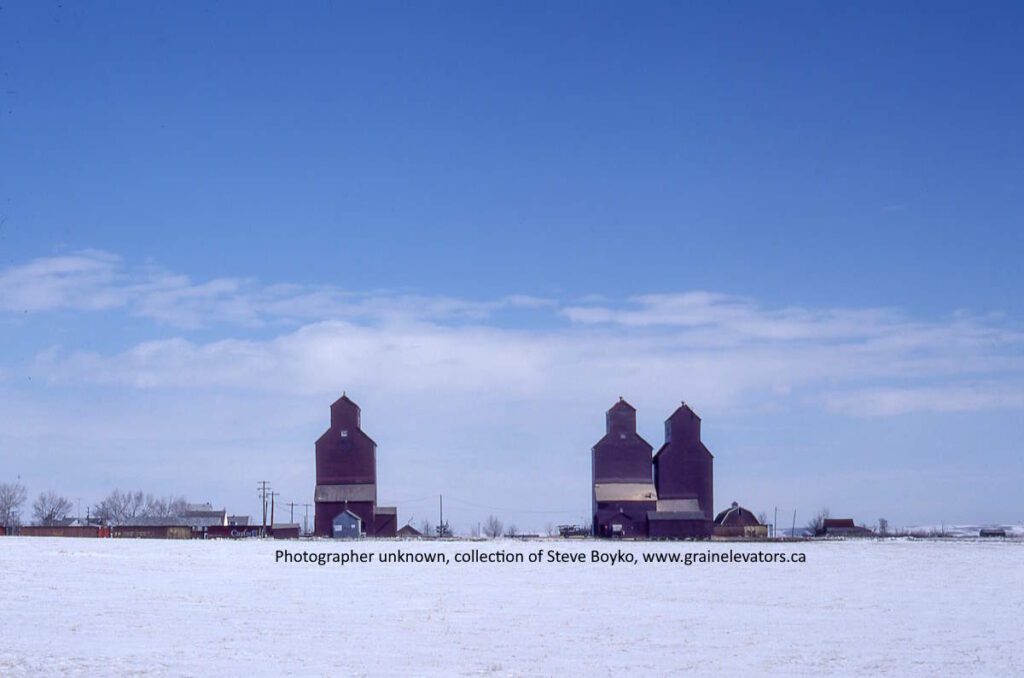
346 478
151 532
63 531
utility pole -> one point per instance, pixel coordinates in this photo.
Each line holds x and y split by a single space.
792 533
440 524
272 495
305 521
775 523
291 512
263 487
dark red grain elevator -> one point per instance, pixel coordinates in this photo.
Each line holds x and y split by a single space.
621 473
684 478
346 479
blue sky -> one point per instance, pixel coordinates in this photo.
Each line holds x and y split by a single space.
488 222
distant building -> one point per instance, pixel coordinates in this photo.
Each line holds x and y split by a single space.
346 479
842 527
668 496
63 531
737 521
238 521
285 530
409 532
204 515
200 519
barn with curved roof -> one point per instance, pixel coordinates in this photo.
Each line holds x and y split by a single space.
737 521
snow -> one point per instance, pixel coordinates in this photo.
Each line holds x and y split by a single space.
893 607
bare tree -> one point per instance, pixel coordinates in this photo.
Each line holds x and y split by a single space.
883 526
512 531
12 498
492 527
168 507
816 525
426 528
762 518
50 508
550 529
120 507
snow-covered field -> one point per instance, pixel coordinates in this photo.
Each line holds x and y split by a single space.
113 607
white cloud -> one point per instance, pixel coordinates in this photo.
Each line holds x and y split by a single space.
718 351
873 402
92 280
474 362
86 280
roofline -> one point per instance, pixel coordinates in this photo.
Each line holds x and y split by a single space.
621 401
594 446
662 449
686 407
344 396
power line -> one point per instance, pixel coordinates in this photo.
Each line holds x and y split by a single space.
411 501
508 510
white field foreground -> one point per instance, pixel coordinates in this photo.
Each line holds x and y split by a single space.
127 607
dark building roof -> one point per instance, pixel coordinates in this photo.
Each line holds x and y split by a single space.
409 531
838 522
736 515
345 401
622 404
